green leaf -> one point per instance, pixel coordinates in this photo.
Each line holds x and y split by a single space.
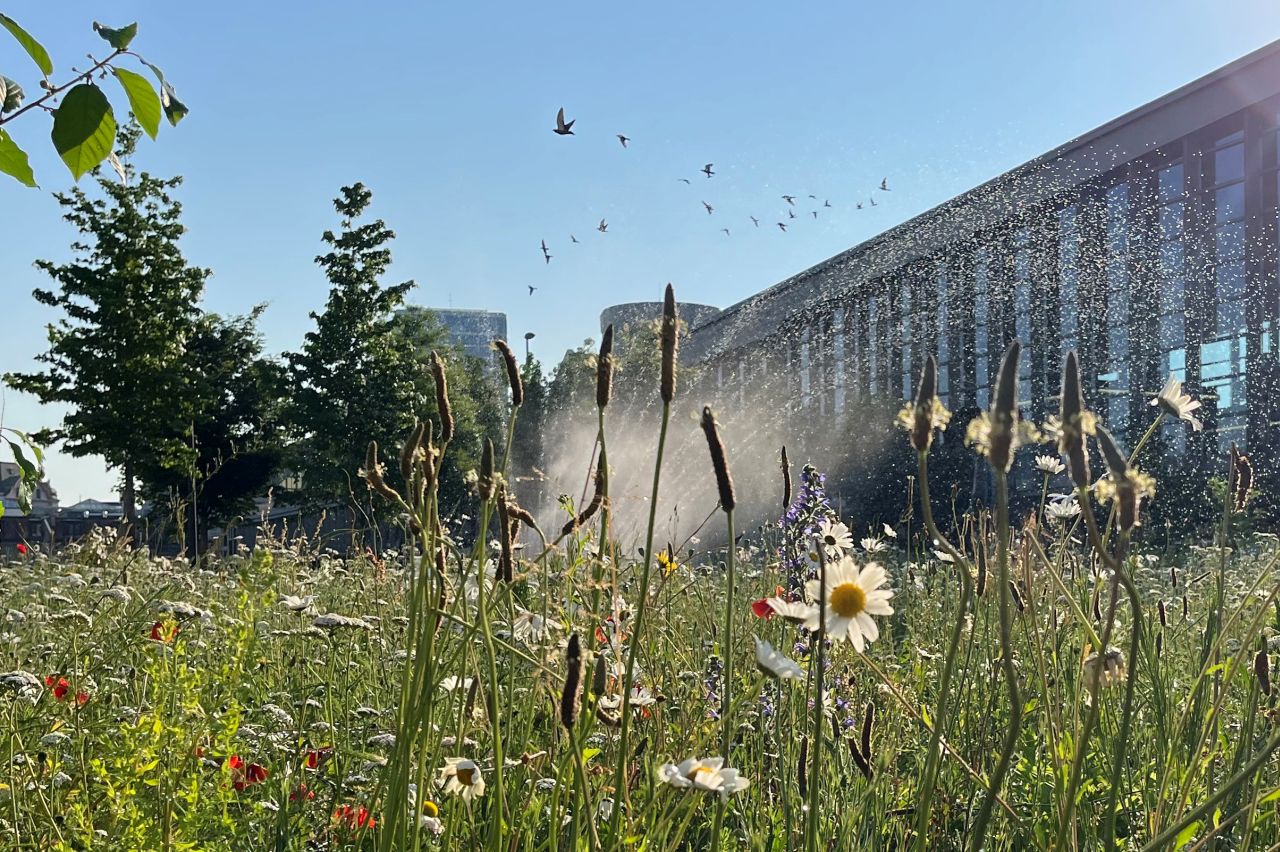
174 109
84 128
143 99
1185 836
119 39
33 48
13 161
11 94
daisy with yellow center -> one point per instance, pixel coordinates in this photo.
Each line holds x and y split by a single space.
708 774
1174 402
461 776
854 594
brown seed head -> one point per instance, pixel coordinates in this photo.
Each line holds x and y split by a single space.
409 453
1074 420
488 481
724 482
570 697
1241 479
786 479
669 342
442 398
513 372
1262 669
922 416
604 369
1004 410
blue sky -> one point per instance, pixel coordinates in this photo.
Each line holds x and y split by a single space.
445 111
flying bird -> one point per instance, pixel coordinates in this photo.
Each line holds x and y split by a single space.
624 139
710 209
706 170
546 254
726 231
815 213
814 197
884 185
826 204
531 289
544 246
754 221
790 199
572 238
858 205
562 128
603 227
684 180
791 214
873 202
783 226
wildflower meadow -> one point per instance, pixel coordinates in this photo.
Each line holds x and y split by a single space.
970 680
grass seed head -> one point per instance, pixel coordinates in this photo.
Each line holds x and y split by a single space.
669 342
570 702
513 372
604 369
442 398
719 464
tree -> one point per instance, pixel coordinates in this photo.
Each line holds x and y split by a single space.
236 434
355 381
130 305
84 122
528 448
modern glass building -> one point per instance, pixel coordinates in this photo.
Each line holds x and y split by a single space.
1148 244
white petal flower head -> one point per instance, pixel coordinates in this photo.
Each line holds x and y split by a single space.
853 595
835 535
1051 465
872 544
295 603
1178 404
461 776
1063 510
890 531
797 611
774 664
707 774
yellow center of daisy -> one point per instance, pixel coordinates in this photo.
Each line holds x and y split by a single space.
466 775
829 540
693 773
848 599
429 808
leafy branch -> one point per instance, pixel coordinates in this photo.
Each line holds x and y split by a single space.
30 467
84 123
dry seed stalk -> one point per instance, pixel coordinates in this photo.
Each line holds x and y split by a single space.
569 698
668 342
724 482
604 369
786 480
513 372
442 398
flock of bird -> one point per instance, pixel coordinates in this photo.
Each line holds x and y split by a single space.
565 128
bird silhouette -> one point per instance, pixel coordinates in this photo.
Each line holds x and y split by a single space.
873 201
545 253
815 213
710 209
562 128
884 185
814 197
544 246
791 214
531 289
706 170
790 199
783 226
726 231
826 204
754 221
624 139
547 257
684 180
572 238
858 205
603 227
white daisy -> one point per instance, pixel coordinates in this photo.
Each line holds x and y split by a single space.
531 627
294 603
853 596
835 535
797 611
1051 465
1062 511
873 545
1173 401
707 774
461 776
890 531
774 664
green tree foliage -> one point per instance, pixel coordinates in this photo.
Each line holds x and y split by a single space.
525 470
130 310
476 397
354 379
84 121
236 434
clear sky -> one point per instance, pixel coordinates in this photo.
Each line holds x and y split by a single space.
446 110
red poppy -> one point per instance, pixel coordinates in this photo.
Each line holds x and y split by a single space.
23 550
245 775
354 817
761 608
256 773
316 756
82 698
60 687
162 632
302 794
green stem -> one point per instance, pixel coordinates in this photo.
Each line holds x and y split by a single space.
642 607
818 638
978 831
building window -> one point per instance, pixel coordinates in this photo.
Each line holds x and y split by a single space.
1222 360
981 327
1022 284
838 358
1114 381
1069 277
943 331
